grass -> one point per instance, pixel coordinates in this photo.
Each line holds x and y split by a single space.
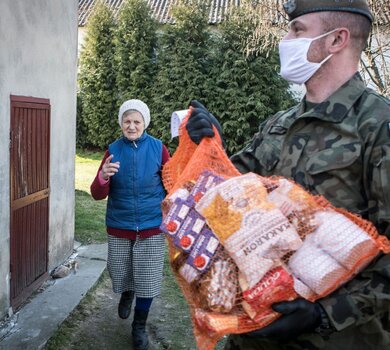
90 214
62 338
87 164
90 228
178 333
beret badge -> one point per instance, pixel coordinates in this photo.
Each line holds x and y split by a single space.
290 6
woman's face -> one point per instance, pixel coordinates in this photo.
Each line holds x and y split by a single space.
133 125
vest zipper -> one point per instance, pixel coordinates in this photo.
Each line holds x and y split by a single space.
134 187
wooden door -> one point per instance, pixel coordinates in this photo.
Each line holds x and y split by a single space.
29 195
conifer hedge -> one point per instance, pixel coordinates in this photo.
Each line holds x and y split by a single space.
97 83
169 65
135 48
183 66
246 88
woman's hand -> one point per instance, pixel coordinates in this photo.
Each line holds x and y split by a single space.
109 169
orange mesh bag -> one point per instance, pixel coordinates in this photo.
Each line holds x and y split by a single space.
190 160
239 243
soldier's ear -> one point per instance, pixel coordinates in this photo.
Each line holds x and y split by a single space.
339 39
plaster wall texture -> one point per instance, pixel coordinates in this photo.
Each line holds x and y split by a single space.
38 58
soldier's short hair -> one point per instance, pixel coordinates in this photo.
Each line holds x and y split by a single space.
358 26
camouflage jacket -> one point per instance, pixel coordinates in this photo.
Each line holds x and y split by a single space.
339 148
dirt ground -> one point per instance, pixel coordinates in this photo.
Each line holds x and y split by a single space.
95 325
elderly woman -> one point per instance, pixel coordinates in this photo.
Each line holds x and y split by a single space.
130 175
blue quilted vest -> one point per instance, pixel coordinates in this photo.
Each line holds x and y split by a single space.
136 190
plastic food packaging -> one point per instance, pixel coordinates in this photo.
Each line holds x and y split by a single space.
260 240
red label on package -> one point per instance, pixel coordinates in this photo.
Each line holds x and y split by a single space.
189 230
206 180
277 285
203 250
176 216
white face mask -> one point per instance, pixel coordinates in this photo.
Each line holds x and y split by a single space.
294 66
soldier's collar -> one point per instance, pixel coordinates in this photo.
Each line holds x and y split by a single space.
336 107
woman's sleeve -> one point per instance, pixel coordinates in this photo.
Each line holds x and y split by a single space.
100 187
165 155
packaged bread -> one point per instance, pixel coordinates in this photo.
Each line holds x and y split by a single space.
254 231
316 268
189 273
296 204
343 239
303 290
218 288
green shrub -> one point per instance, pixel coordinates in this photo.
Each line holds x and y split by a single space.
98 89
247 87
135 46
183 65
168 68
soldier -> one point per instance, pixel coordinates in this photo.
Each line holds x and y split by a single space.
335 143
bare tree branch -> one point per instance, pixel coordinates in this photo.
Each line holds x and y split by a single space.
270 22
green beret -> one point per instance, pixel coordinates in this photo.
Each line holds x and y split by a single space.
296 8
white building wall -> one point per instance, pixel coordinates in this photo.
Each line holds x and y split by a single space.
38 58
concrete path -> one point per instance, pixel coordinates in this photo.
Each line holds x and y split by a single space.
32 326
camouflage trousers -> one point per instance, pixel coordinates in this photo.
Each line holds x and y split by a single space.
352 338
238 342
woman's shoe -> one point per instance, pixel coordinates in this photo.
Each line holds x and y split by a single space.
140 336
124 307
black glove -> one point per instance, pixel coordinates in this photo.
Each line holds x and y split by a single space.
299 316
200 124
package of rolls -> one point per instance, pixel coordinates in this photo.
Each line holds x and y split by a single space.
239 243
